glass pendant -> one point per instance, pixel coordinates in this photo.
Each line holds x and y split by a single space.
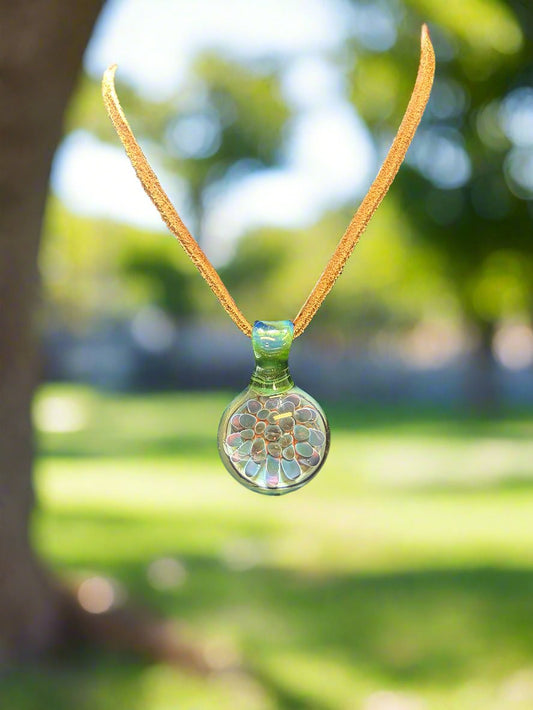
273 438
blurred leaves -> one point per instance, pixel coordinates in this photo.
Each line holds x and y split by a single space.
484 30
97 269
392 281
251 109
453 236
226 114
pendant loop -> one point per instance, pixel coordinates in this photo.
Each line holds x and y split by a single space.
271 342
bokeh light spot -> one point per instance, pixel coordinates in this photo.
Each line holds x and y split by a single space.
96 595
60 414
166 573
513 346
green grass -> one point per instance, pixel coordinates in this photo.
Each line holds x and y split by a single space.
400 579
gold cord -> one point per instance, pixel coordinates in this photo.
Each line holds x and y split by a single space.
360 220
164 206
378 189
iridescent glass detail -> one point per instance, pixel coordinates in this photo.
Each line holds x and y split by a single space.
273 438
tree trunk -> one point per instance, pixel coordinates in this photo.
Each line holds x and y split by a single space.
482 387
40 55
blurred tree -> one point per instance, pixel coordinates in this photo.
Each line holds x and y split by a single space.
201 143
394 282
464 195
467 188
226 122
98 269
40 56
229 121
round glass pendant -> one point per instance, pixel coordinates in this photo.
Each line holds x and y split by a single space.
274 437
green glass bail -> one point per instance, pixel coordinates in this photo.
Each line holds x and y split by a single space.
271 342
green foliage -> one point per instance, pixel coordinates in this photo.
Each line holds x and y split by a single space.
502 286
98 269
86 111
251 110
393 280
451 238
488 32
235 114
171 288
482 57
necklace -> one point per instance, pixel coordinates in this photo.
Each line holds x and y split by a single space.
274 437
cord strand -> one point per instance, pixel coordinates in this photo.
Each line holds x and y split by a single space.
378 189
164 206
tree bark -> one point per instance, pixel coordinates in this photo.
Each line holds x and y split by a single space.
40 56
482 387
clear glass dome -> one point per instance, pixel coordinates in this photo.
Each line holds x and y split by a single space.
274 437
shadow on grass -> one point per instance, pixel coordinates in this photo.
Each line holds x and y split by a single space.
428 422
98 445
171 426
506 484
435 627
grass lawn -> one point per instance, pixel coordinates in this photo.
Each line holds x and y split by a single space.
401 578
